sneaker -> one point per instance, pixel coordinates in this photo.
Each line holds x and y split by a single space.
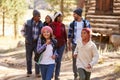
28 75
37 75
56 78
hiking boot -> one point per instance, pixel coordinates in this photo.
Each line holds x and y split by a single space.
28 75
37 75
56 78
76 78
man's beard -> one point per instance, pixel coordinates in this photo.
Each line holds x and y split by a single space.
76 19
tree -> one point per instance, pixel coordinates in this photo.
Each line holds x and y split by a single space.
80 3
18 8
65 6
14 10
4 8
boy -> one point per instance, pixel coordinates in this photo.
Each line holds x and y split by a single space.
86 54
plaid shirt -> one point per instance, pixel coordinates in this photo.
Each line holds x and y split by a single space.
72 31
35 31
31 31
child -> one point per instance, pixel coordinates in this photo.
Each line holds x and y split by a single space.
46 45
86 54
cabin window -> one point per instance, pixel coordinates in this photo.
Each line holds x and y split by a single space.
104 6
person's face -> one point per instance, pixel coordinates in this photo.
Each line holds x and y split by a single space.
85 35
37 18
76 17
46 34
60 18
47 19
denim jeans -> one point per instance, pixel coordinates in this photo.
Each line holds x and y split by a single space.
60 51
84 75
74 62
30 48
47 71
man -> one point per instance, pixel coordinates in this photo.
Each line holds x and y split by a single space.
74 33
31 32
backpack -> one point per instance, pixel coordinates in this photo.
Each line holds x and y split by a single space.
38 56
72 24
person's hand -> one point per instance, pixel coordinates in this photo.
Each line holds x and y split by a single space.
70 48
48 41
75 55
53 56
88 66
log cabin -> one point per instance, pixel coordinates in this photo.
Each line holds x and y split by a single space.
104 16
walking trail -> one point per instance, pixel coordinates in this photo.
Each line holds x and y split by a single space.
13 66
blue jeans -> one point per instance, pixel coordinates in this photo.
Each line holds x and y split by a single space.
47 71
30 48
60 51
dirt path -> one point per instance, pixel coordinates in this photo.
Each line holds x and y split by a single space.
12 67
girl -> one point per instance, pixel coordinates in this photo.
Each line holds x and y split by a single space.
47 45
86 54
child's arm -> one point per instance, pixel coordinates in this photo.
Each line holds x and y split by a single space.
95 55
55 54
40 47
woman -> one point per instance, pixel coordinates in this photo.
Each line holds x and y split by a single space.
48 20
60 35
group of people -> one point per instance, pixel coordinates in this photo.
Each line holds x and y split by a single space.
50 39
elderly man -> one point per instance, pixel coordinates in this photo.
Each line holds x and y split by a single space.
31 32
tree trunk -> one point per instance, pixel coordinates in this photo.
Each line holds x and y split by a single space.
3 29
80 3
34 2
15 26
61 6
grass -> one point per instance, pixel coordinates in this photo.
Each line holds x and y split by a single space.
101 61
117 68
